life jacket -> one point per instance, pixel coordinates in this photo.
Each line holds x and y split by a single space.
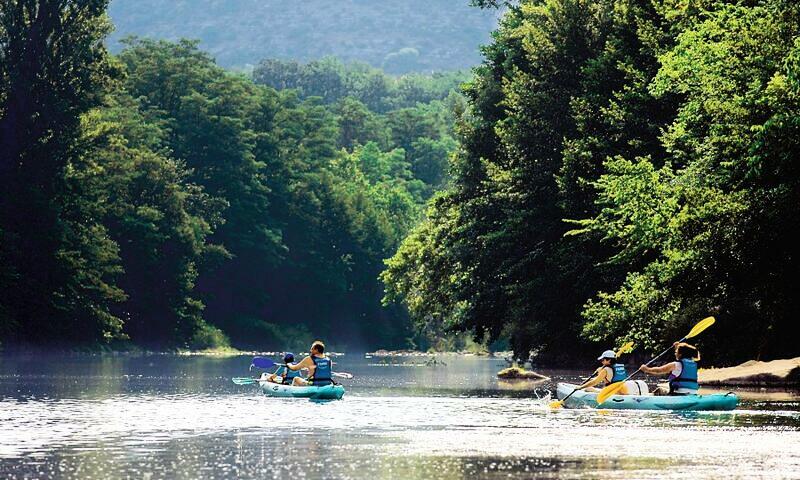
322 372
687 378
289 375
618 373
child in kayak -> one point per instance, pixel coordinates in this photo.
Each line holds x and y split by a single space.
682 372
318 364
284 375
609 371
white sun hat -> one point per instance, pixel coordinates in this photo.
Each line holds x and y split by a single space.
607 354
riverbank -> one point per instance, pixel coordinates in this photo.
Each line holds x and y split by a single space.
417 353
776 373
138 352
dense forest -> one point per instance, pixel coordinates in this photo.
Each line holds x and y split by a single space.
626 168
397 36
153 198
613 169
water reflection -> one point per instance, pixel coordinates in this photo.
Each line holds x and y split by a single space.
181 417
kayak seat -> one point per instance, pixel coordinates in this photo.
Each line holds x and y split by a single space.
637 387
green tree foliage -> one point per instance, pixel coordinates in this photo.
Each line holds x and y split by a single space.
158 218
306 236
332 80
58 264
669 130
719 219
159 199
509 268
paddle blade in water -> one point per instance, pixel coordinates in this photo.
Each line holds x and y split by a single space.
244 380
627 348
609 391
346 375
556 404
263 362
701 325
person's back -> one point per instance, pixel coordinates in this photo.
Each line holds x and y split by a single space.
285 375
683 378
322 372
318 364
682 372
616 373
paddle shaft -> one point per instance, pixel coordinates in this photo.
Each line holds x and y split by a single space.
587 379
654 359
622 350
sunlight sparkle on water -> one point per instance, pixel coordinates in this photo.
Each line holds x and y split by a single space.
183 419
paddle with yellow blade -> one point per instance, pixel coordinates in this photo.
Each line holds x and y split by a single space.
615 387
627 348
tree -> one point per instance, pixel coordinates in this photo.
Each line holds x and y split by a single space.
159 219
221 126
58 263
717 221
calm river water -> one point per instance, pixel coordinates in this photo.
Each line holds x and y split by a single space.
181 417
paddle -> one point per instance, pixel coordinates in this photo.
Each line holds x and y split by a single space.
266 363
244 380
628 347
616 387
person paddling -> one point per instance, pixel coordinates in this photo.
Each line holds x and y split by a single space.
283 374
609 371
682 372
318 364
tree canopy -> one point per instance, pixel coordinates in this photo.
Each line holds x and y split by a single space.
613 170
625 168
163 201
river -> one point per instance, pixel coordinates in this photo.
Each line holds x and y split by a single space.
162 416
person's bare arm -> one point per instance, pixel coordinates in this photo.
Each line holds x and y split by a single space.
599 376
304 363
662 370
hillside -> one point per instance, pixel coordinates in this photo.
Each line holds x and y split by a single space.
238 33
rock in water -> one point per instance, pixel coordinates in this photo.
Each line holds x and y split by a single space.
520 373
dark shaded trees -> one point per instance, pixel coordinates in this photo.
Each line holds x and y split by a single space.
58 265
664 129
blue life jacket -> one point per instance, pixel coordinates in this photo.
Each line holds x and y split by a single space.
688 377
287 375
619 373
322 372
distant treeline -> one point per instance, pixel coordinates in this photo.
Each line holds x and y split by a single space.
399 36
332 80
153 198
627 167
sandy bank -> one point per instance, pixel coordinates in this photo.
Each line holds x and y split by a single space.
777 373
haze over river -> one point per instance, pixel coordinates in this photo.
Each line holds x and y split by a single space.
181 417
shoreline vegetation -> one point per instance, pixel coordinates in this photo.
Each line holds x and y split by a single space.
775 375
156 198
606 174
625 168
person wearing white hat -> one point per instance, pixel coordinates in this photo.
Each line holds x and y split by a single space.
609 371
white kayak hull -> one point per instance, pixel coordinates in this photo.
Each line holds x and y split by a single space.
583 399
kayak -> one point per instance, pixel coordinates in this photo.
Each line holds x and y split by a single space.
326 392
647 401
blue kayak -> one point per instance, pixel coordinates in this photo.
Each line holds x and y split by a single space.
583 399
326 392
